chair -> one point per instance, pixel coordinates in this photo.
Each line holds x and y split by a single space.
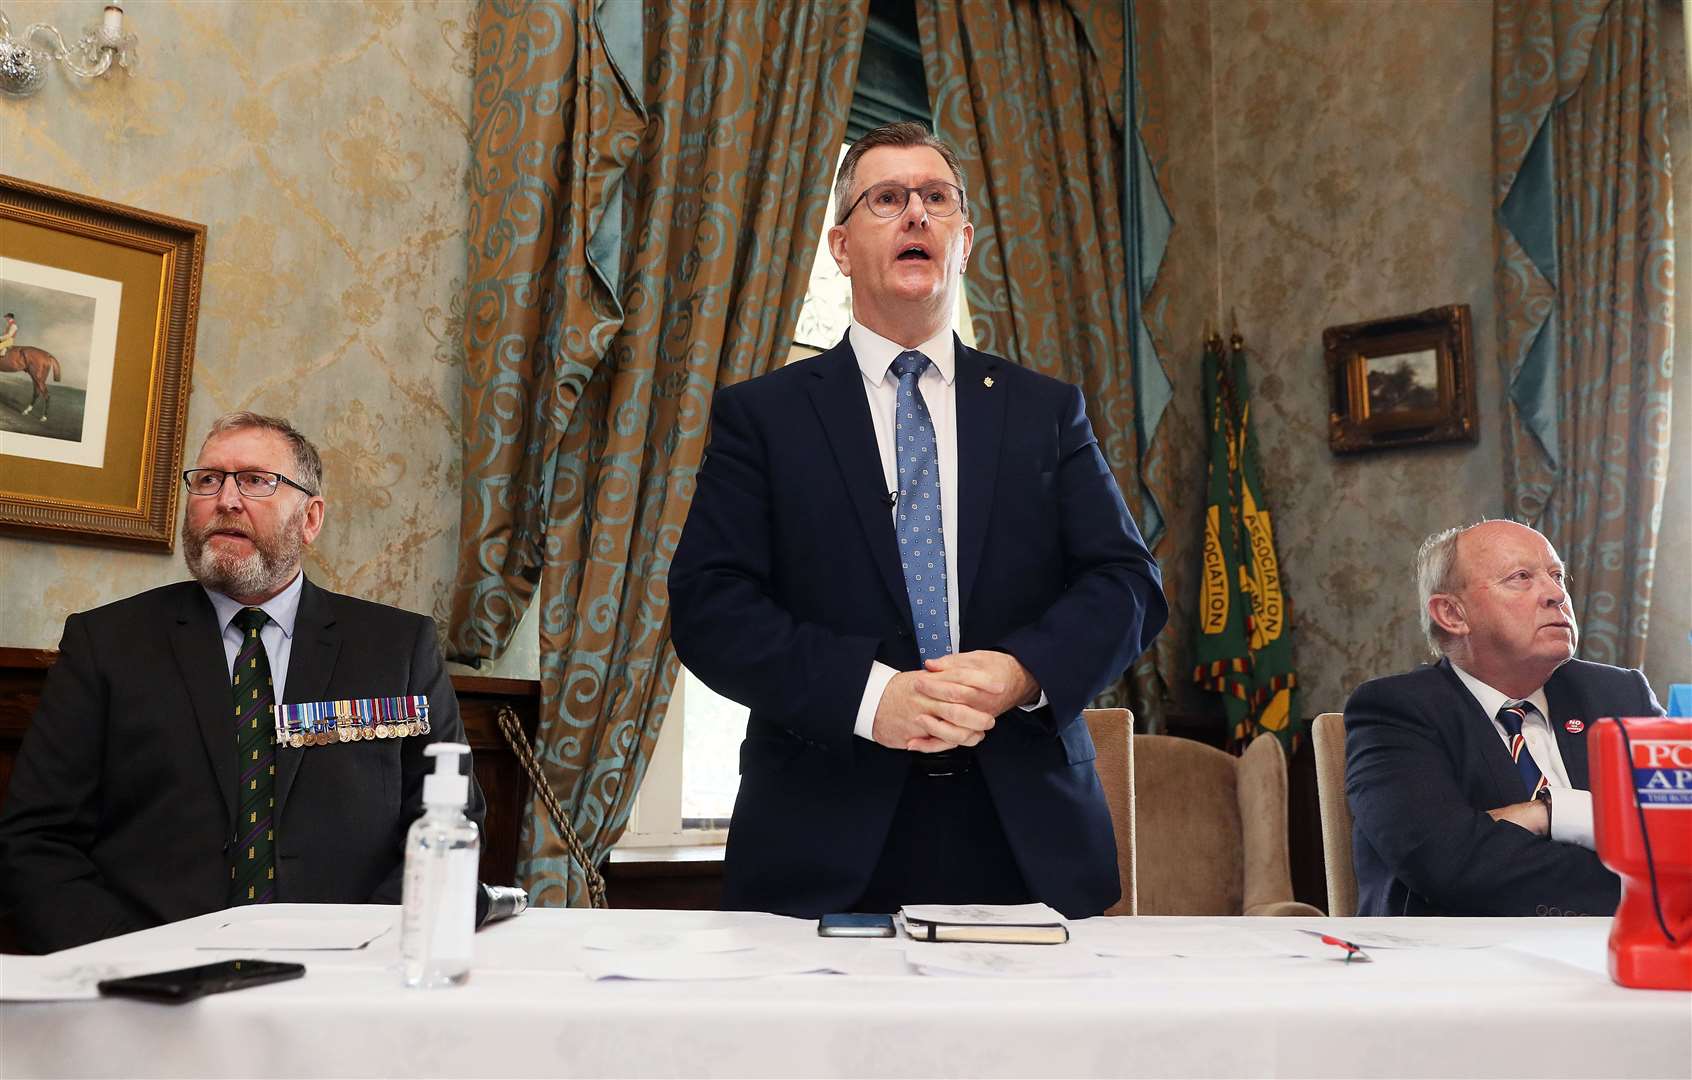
1113 731
1210 830
1328 737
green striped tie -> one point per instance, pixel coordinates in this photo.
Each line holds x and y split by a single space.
252 861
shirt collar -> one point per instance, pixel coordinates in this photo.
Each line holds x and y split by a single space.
282 608
1492 700
876 354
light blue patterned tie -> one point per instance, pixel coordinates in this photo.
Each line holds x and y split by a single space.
922 546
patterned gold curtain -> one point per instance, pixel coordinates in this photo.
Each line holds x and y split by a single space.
1585 281
648 184
1031 93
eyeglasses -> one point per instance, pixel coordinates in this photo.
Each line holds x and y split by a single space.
253 483
889 198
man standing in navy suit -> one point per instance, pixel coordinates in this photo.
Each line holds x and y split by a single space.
1467 778
910 561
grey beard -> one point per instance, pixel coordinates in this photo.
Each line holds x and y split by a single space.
266 569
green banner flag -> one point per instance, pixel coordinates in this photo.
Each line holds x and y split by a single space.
1242 635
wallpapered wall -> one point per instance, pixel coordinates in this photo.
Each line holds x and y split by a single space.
1329 161
1354 179
324 148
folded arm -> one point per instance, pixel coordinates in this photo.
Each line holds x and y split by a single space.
1406 800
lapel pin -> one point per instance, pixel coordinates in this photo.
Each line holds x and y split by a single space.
1574 727
987 382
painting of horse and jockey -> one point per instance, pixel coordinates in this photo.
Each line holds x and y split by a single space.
45 338
57 339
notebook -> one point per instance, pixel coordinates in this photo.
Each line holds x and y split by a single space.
993 924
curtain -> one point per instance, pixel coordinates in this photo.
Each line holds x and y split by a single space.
648 184
1585 285
1033 95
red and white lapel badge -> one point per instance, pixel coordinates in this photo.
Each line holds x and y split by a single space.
1574 727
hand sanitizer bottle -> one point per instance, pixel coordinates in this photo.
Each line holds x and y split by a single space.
440 877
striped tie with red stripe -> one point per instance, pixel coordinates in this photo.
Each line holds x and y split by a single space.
1511 716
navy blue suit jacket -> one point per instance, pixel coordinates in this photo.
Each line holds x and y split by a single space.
123 802
786 585
1424 764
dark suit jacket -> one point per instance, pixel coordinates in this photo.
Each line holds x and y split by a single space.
1423 766
122 804
786 585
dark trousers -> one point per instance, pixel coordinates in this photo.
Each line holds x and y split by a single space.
946 845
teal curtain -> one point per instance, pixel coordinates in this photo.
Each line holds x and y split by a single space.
1037 97
1585 286
648 183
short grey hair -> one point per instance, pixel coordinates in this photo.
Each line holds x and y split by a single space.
308 465
1436 563
903 133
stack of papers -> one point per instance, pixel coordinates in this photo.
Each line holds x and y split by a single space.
991 924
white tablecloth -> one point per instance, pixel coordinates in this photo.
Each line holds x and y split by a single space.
1536 1004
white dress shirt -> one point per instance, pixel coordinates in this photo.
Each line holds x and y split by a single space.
875 355
1571 817
277 635
937 385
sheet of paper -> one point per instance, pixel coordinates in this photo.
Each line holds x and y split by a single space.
1005 961
719 940
1586 949
752 964
984 914
56 978
286 933
1135 940
1400 939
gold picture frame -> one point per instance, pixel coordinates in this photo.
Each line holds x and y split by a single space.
1404 381
116 291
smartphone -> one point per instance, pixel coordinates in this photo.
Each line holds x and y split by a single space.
848 924
186 984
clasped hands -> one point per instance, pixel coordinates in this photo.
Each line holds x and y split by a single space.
952 701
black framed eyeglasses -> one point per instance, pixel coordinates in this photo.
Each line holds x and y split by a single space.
889 198
253 483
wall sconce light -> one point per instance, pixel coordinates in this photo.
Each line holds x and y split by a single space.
23 66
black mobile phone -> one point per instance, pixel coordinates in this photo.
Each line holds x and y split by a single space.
186 984
851 924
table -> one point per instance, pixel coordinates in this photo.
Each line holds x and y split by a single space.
528 1011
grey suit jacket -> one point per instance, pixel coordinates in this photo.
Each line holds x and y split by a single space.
122 806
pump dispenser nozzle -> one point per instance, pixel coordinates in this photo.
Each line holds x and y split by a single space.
446 786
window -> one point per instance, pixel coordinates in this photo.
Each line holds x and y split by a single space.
690 784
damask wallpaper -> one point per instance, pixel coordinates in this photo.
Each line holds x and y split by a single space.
1329 161
324 146
1351 170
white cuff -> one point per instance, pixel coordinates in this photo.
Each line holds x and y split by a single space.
876 685
1041 704
1571 817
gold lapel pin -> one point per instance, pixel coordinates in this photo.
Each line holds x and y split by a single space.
987 382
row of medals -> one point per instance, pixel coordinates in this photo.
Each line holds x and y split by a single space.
398 729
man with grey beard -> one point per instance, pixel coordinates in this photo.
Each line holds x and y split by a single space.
151 786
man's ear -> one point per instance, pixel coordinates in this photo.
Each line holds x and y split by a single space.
1446 611
313 521
837 248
